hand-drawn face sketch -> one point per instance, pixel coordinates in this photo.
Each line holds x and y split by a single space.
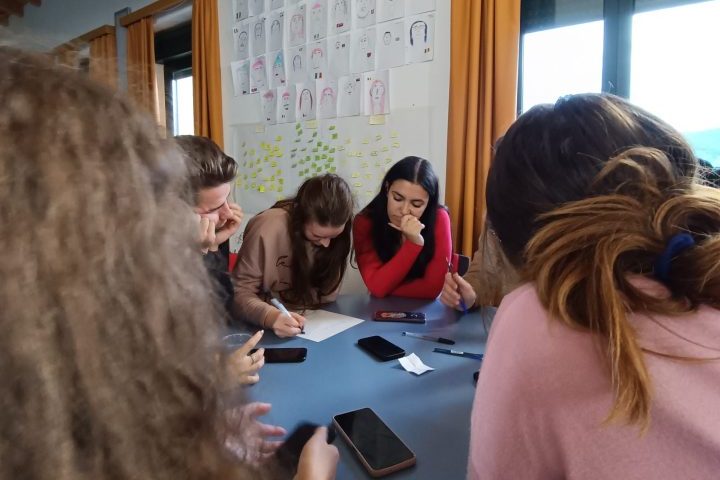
377 97
286 104
327 104
420 36
258 38
364 13
363 52
340 16
258 75
278 78
339 55
387 38
241 42
318 59
297 26
241 77
296 68
390 48
269 107
349 100
306 102
375 88
277 20
318 20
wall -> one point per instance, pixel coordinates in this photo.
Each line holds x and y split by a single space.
57 21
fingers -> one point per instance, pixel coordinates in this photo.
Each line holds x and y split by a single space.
250 344
249 379
395 226
271 430
450 281
299 319
257 409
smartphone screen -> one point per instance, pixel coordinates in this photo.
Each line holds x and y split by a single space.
379 447
381 348
284 355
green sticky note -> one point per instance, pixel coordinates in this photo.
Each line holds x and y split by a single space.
332 170
331 127
334 136
261 188
314 134
273 164
278 138
324 156
332 150
281 181
325 148
315 150
331 159
298 126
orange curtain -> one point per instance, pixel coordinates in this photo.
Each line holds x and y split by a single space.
103 59
142 83
207 90
484 47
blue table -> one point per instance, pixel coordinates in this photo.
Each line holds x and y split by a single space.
430 413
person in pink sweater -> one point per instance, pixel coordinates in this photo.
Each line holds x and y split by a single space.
605 362
402 238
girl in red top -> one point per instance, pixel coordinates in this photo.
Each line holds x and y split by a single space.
402 238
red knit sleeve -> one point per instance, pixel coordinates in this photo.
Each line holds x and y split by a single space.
380 278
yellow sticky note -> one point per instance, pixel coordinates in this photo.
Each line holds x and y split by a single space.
366 141
376 120
357 184
396 144
368 176
273 164
340 148
378 138
355 175
278 138
334 136
374 153
385 149
394 134
261 189
311 124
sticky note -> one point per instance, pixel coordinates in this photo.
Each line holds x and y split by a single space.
331 127
261 188
376 120
332 150
378 138
394 134
396 144
355 175
278 138
357 184
311 124
334 136
366 141
374 153
273 164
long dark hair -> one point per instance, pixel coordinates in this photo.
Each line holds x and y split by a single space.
327 200
386 239
589 191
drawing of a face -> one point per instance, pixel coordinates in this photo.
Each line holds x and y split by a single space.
278 69
349 88
297 63
317 15
387 38
327 99
244 79
365 45
297 26
259 74
316 57
268 104
363 8
305 102
242 39
285 102
340 10
339 45
377 96
417 32
275 27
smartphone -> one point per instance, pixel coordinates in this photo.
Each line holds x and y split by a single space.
283 355
378 448
405 317
381 348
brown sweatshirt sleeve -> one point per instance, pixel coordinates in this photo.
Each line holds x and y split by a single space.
490 274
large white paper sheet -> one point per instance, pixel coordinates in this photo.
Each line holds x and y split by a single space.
321 324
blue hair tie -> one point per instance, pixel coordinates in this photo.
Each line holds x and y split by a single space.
677 244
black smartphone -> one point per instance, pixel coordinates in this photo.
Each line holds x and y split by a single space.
381 348
463 265
283 355
405 317
378 448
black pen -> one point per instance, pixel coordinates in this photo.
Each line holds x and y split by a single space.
476 356
446 341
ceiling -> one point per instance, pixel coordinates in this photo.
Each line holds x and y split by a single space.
14 7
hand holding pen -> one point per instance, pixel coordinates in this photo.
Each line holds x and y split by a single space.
457 293
285 323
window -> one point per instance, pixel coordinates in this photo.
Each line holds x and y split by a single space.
173 50
658 53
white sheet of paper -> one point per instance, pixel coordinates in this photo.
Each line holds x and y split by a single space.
257 34
268 100
321 324
286 104
257 7
305 105
349 96
277 30
296 65
295 20
376 93
339 14
390 45
364 13
258 74
420 37
413 364
240 9
317 60
317 20
327 98
390 9
241 40
413 7
362 50
339 55
241 77
278 77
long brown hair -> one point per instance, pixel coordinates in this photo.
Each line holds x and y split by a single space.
107 349
586 194
327 200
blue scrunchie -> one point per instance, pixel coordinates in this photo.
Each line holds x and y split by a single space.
677 244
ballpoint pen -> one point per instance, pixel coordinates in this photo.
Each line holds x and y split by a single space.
458 353
446 341
462 300
276 303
